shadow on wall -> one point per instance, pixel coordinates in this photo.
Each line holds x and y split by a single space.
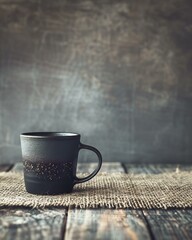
119 73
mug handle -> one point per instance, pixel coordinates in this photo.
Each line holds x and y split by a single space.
83 146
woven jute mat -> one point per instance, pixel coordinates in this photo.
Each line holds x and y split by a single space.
107 190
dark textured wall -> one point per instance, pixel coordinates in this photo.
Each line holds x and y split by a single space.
119 72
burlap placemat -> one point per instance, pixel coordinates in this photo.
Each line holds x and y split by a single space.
107 190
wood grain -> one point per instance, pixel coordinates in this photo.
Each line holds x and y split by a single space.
156 168
57 223
172 224
106 167
165 224
26 223
101 223
106 224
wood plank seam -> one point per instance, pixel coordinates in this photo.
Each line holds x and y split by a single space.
104 223
146 220
148 227
124 167
65 224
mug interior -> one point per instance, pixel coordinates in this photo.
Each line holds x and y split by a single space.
49 134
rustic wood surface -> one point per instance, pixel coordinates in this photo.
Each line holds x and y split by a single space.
106 167
106 224
26 223
155 168
61 223
165 224
171 224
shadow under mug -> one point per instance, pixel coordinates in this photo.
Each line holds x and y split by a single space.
50 161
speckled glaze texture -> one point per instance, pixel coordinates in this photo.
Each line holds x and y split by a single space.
50 162
48 171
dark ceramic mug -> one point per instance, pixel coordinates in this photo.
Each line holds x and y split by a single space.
50 161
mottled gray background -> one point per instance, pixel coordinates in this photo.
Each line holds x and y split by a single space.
119 72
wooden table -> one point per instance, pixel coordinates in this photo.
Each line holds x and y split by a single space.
69 223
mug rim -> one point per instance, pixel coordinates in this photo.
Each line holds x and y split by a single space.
49 135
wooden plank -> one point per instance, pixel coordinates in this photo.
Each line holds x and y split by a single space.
156 168
174 224
5 167
106 223
106 167
125 223
165 224
26 223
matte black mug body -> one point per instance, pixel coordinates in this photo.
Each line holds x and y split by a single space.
50 161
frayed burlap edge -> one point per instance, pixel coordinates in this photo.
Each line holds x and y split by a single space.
115 190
